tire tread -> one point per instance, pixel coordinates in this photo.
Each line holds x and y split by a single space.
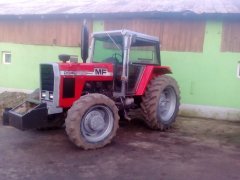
150 101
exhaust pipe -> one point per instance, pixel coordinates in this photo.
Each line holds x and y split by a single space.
84 41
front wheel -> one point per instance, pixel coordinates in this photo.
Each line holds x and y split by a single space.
92 121
160 103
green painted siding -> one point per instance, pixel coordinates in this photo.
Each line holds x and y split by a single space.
98 26
207 78
23 72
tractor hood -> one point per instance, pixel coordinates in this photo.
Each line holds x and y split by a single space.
86 69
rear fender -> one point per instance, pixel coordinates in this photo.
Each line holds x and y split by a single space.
148 74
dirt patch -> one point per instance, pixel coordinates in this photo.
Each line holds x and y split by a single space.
192 149
209 129
10 99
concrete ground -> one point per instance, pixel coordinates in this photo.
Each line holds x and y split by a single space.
192 149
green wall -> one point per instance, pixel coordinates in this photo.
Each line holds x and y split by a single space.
206 78
23 72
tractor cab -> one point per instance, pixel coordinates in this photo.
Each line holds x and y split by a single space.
129 52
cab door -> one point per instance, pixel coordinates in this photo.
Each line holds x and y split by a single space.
134 75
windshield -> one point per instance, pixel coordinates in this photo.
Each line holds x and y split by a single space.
108 49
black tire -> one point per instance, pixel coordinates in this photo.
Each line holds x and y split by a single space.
160 103
92 121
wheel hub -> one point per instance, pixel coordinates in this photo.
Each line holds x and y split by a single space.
167 103
96 123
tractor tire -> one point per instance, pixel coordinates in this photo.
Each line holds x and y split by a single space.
160 103
92 121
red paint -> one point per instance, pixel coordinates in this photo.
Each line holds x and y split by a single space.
81 79
149 73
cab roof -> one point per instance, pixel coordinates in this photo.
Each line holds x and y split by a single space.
124 32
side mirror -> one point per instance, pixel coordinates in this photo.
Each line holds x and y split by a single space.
84 42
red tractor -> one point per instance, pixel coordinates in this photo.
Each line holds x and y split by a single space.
124 73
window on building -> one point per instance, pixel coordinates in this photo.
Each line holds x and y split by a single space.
238 70
6 57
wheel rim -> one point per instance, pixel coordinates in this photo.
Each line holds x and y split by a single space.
167 104
97 123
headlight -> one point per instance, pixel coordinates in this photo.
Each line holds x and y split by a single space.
43 95
51 96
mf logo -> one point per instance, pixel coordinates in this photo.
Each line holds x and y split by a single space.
100 71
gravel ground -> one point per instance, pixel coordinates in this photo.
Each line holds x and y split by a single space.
10 99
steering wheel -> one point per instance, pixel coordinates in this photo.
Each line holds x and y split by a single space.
118 57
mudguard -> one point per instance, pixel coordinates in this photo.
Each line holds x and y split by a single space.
147 75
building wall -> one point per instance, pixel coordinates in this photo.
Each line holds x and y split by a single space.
53 32
182 35
23 72
207 78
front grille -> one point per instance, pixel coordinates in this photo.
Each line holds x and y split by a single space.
47 77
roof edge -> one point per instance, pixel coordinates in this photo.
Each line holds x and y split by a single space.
149 14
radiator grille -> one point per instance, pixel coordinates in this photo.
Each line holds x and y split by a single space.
47 77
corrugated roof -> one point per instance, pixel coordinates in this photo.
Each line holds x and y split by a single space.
43 7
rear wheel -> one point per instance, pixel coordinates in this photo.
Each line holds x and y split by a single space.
160 103
92 121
